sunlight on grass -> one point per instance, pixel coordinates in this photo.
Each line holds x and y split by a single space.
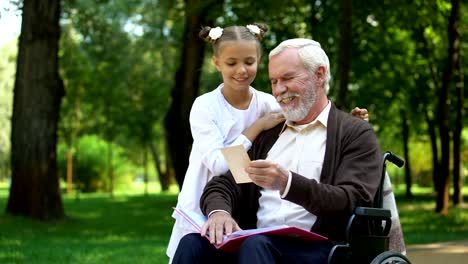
132 227
422 225
139 188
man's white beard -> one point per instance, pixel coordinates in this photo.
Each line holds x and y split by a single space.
305 104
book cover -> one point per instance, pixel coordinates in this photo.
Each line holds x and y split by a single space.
232 243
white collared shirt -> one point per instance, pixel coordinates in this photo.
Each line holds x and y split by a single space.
301 149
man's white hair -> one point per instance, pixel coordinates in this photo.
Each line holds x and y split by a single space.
311 54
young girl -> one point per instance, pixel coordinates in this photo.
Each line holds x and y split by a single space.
233 114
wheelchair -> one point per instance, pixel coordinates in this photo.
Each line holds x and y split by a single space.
367 231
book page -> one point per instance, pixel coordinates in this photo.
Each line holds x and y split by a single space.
255 231
233 242
238 160
197 220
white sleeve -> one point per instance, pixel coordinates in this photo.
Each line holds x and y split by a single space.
207 135
274 105
268 103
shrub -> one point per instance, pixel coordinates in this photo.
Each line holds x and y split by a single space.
90 164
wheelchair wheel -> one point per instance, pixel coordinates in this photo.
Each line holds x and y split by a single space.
389 257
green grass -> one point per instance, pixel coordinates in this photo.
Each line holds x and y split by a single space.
421 225
133 228
98 229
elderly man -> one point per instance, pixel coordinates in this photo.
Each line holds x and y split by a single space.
310 172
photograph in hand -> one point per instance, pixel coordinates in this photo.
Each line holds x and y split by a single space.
237 159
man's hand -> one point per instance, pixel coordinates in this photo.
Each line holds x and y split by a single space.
268 175
217 225
360 113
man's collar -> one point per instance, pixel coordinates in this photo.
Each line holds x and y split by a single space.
321 118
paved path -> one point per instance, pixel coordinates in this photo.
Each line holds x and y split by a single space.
436 253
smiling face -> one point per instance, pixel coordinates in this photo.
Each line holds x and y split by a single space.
237 61
295 87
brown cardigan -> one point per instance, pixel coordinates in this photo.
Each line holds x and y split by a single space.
350 176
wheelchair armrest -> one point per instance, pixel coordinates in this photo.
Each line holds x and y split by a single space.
373 212
369 221
339 254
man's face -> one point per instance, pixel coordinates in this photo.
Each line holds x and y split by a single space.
292 84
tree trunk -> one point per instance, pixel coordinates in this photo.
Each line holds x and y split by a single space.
77 178
431 128
110 168
435 150
405 131
168 161
164 177
344 63
459 86
109 136
145 170
457 197
186 88
430 120
69 171
444 126
35 190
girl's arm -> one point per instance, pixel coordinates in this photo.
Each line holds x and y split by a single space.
208 136
208 132
269 120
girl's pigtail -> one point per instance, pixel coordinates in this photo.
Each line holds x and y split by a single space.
258 30
210 34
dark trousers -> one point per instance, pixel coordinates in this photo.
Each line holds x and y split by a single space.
194 248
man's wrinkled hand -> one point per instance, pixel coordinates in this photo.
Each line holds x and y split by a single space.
218 225
268 174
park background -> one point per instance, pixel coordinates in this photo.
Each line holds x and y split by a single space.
94 105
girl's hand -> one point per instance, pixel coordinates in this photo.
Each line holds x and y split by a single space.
360 113
265 122
270 120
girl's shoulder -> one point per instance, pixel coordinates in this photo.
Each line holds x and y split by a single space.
208 99
267 100
262 95
214 94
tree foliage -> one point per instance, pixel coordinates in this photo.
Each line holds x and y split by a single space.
131 70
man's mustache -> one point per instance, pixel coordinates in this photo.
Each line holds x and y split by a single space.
280 98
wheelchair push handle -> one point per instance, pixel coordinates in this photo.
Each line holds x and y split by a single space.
393 158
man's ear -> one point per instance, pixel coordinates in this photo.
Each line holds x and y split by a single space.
216 63
320 77
321 72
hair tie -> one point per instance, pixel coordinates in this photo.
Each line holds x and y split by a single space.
215 33
254 29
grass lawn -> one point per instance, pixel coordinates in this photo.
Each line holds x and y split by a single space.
133 228
421 225
129 228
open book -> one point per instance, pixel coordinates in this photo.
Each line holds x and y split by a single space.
233 242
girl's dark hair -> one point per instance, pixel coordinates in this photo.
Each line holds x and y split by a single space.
234 33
